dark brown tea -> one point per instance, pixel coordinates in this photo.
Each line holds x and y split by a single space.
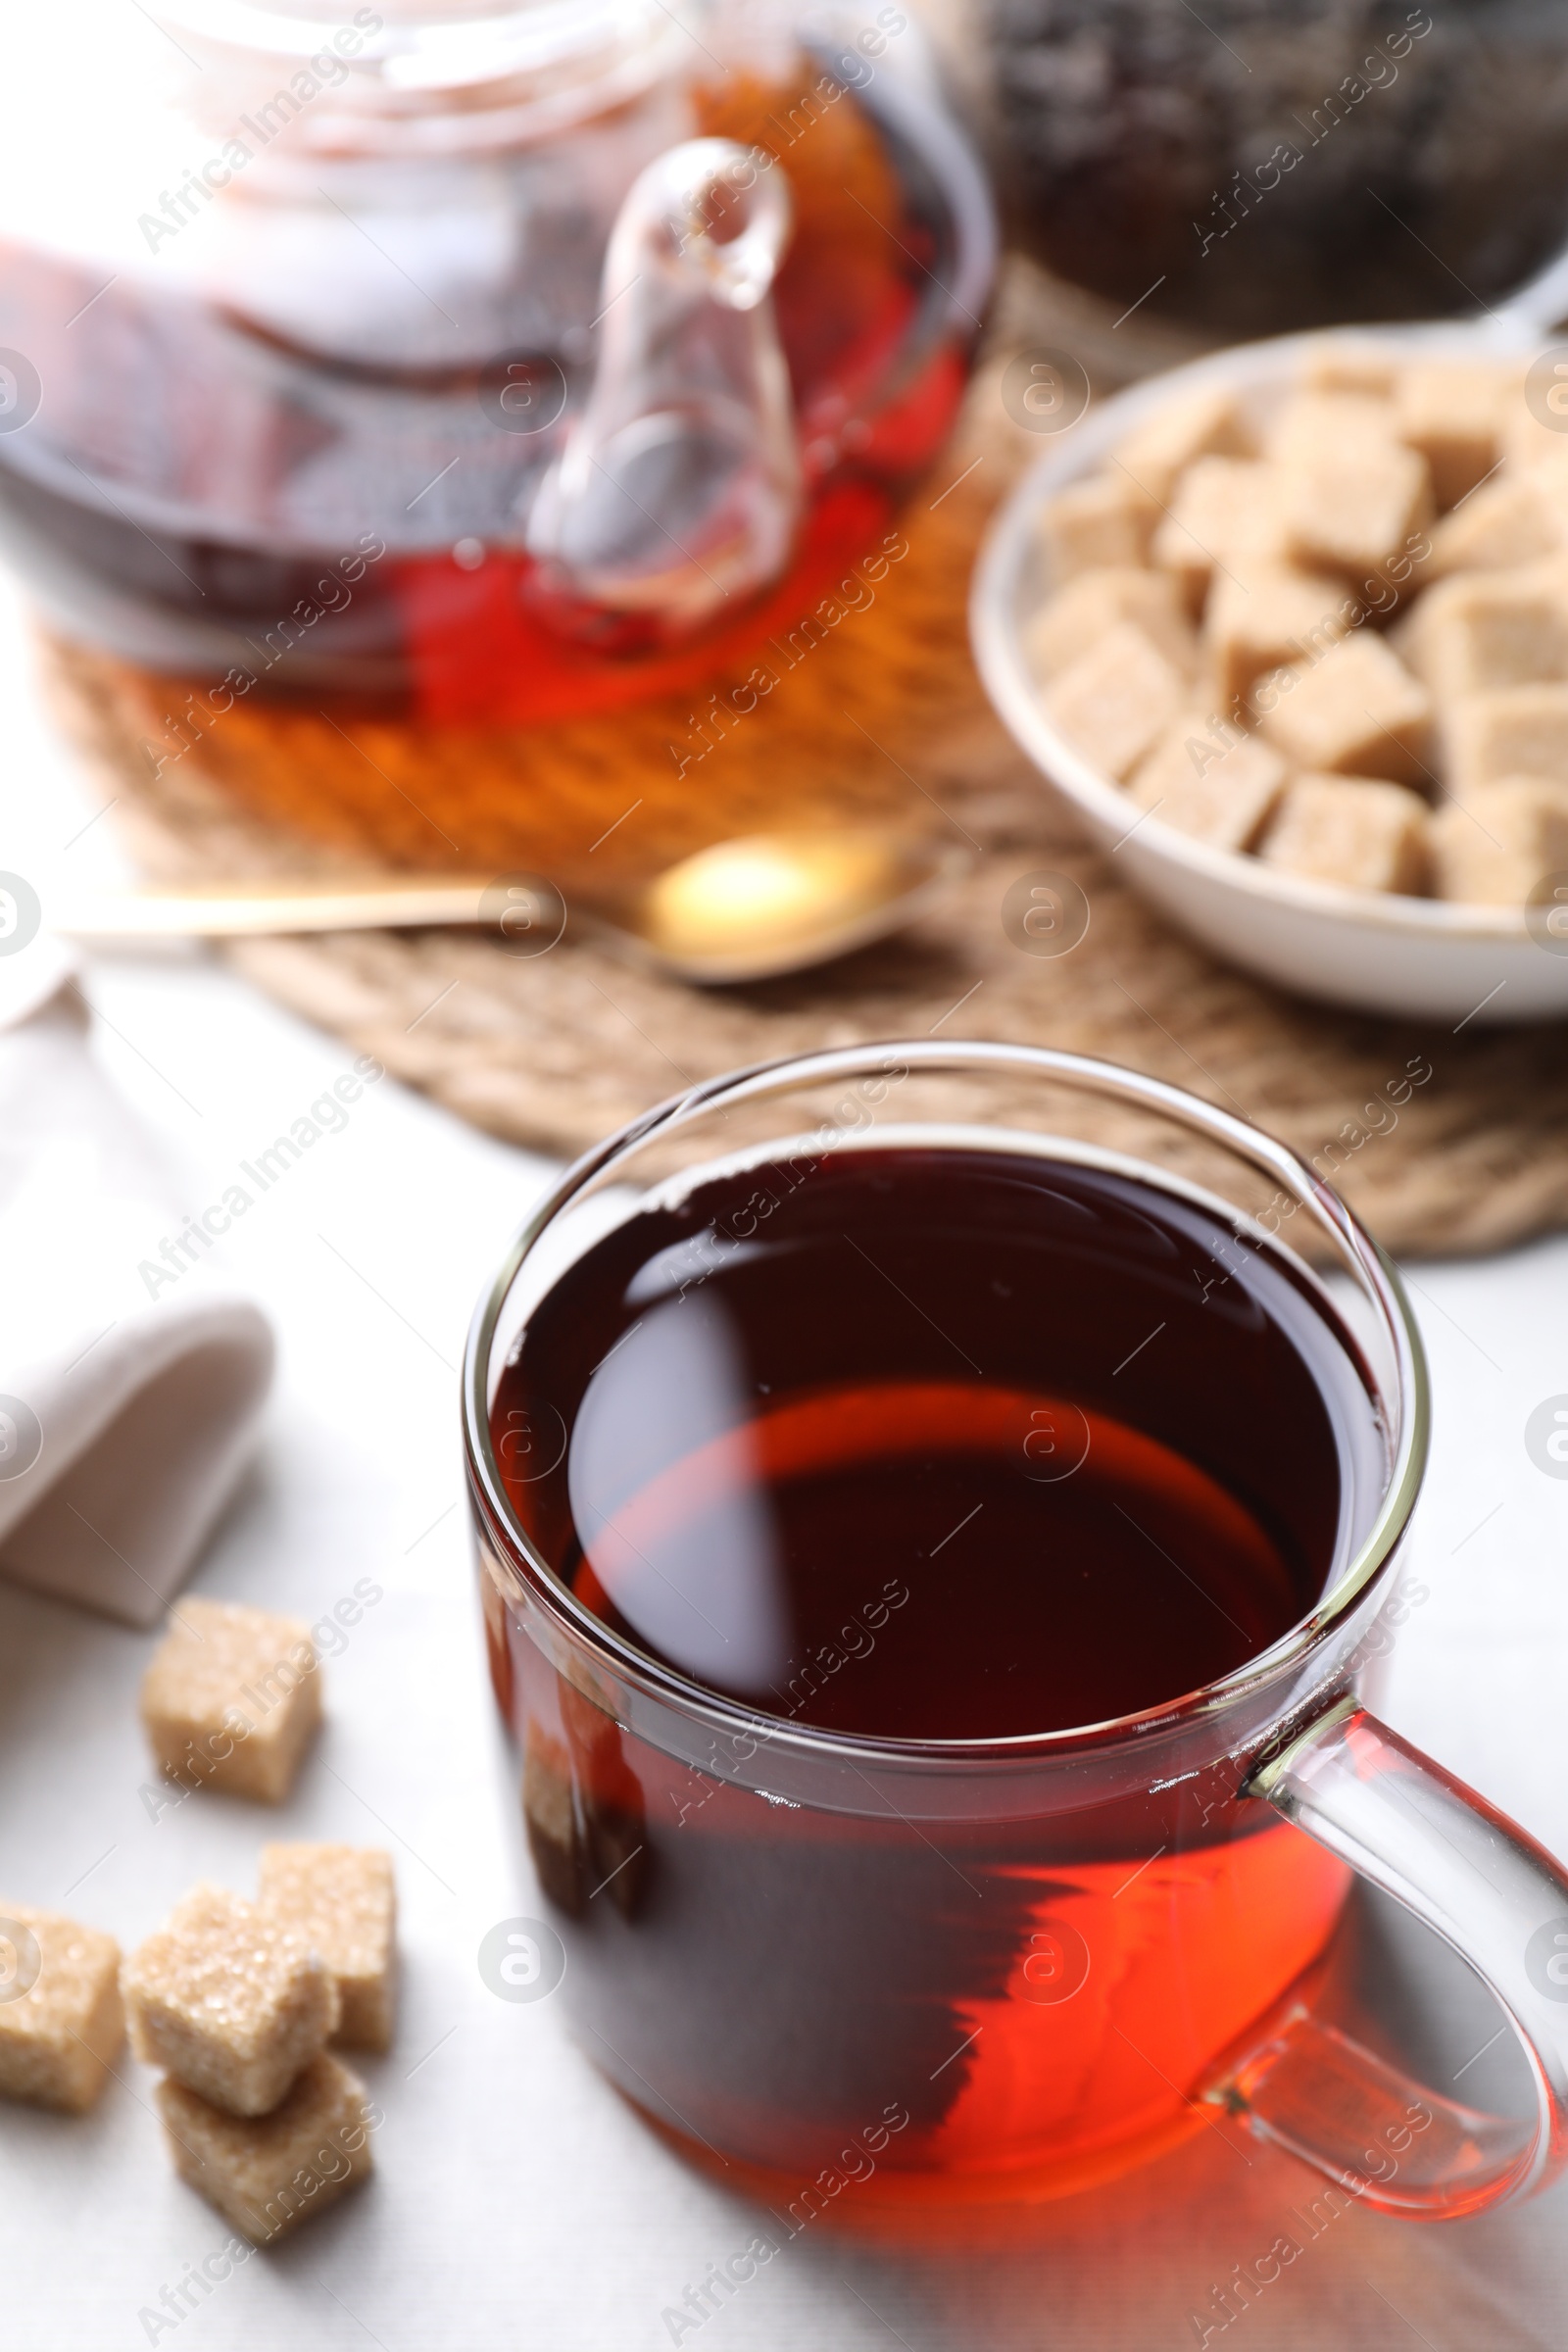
1086 1445
925 1443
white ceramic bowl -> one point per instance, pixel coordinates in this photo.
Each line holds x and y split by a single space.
1462 964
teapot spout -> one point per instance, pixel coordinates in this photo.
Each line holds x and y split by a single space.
678 488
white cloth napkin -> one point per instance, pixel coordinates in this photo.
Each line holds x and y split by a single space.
125 1418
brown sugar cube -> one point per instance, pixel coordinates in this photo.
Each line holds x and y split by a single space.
1509 731
1274 617
341 1900
1341 363
1508 837
231 1698
1220 793
230 2000
1101 520
1527 442
1224 517
270 2175
1115 699
1484 629
1312 425
1082 613
1504 523
1356 711
557 1846
1205 424
1451 412
60 2031
1355 506
1351 830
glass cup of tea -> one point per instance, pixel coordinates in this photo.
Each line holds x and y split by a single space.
937 1511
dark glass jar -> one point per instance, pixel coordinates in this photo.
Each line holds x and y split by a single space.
1256 166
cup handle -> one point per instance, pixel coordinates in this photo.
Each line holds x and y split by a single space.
1489 1891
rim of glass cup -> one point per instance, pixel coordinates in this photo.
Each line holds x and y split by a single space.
756 1081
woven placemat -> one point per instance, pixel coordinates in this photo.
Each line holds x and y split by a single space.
1444 1142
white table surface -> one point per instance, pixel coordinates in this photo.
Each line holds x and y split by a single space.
518 2202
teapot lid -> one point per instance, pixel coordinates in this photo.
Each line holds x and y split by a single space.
565 57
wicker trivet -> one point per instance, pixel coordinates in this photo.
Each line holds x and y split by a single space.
886 714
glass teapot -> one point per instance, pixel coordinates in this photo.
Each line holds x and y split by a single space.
465 365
